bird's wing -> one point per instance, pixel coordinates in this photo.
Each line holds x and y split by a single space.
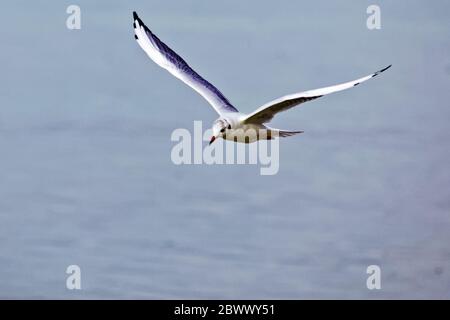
266 112
165 57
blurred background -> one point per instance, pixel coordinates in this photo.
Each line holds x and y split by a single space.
86 176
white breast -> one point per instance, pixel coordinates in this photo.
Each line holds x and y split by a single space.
246 133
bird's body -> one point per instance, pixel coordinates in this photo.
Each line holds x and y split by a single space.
241 131
231 124
238 130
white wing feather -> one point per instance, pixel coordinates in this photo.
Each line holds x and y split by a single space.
266 112
166 58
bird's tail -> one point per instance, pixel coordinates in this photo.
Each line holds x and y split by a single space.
282 133
286 133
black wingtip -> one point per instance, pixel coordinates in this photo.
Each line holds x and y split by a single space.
135 16
382 70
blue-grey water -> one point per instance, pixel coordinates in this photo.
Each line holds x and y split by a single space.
86 176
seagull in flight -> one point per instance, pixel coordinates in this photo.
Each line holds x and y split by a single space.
231 124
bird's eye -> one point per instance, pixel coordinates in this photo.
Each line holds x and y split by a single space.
222 130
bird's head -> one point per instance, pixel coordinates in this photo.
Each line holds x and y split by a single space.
219 127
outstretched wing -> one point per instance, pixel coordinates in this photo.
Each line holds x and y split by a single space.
267 112
165 57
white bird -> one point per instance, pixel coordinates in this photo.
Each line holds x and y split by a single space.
231 124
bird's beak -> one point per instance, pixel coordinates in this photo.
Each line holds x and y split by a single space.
212 140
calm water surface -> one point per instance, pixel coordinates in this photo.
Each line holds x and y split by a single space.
86 176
